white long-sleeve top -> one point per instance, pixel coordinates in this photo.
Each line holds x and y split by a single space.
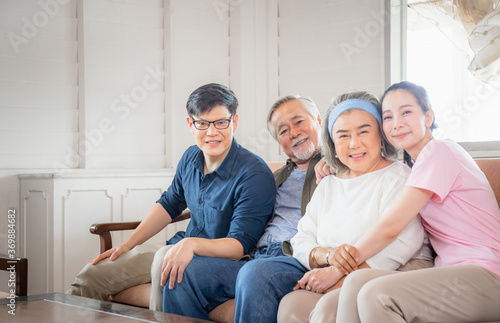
341 210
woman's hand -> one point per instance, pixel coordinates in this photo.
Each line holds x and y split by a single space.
322 169
345 258
319 280
175 261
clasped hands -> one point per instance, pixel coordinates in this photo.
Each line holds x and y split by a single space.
342 261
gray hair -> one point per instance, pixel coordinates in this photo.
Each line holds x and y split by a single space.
328 147
307 103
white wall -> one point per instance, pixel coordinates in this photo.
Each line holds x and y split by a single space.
196 53
38 92
38 83
112 76
121 76
326 48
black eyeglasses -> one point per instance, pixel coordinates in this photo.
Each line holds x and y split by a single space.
218 124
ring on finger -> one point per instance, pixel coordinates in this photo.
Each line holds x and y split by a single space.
308 287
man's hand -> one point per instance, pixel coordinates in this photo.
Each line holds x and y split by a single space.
319 280
112 254
322 169
176 260
345 258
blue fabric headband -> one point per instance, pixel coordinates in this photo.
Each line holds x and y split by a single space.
349 105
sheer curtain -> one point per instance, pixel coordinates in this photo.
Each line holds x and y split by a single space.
474 27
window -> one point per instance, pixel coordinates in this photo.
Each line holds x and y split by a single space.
467 110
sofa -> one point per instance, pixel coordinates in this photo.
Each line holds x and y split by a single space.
225 312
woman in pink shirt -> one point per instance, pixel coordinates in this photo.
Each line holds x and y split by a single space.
460 214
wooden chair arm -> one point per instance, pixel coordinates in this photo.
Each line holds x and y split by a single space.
99 228
103 230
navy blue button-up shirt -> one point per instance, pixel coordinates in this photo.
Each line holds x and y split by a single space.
234 201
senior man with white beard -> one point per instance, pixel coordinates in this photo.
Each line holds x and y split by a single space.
207 282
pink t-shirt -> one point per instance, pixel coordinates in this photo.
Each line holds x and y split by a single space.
462 218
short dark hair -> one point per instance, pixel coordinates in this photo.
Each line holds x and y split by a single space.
208 96
328 147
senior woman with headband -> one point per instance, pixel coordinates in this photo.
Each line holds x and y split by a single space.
342 208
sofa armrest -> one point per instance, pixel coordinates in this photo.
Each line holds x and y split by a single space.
103 230
491 169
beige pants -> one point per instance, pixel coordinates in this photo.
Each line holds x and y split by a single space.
461 293
305 306
156 299
111 277
302 306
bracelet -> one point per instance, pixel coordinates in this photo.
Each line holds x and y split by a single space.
313 259
328 256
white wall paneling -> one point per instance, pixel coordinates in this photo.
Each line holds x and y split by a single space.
74 211
58 210
38 226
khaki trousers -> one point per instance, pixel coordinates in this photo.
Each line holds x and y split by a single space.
304 306
108 277
460 293
156 299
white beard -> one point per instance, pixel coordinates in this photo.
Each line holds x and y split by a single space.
306 151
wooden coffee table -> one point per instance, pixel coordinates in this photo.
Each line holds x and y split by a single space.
60 307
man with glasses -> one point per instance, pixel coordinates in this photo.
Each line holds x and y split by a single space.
229 191
212 283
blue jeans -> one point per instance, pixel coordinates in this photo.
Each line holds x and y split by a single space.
207 283
260 286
